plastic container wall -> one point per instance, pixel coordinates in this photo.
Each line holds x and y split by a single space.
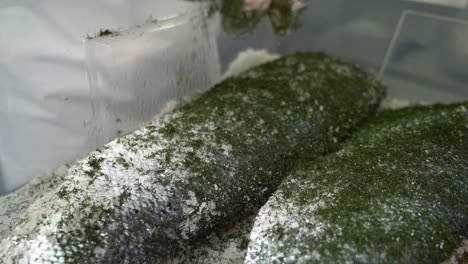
418 47
46 112
137 73
428 65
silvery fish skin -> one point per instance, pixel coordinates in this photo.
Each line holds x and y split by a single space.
226 246
154 191
395 193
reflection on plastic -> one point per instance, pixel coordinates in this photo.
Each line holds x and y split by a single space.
449 3
428 65
135 74
46 117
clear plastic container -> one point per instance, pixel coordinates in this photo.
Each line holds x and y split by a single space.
137 73
419 48
427 65
46 103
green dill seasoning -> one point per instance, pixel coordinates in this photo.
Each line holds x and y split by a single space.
105 32
156 190
395 193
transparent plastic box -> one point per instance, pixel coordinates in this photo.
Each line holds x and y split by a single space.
419 49
138 73
53 112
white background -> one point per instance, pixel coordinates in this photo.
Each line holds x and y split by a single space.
45 113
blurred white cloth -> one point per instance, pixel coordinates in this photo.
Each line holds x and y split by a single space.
45 108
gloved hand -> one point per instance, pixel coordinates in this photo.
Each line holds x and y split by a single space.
241 16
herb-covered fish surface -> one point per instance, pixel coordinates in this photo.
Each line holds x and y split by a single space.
397 192
152 192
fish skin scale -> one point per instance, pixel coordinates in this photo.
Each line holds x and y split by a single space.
395 193
150 193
